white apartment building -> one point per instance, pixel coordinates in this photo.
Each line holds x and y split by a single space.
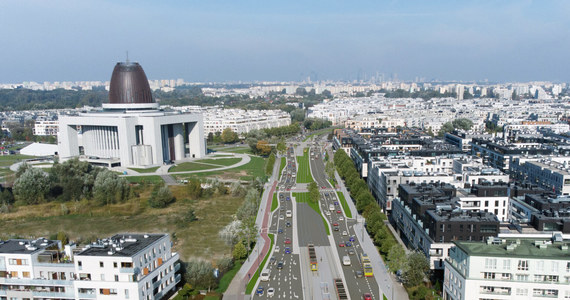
502 268
242 121
46 127
125 266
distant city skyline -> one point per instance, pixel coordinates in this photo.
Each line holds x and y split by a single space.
221 41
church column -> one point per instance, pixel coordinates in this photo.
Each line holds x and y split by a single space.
178 141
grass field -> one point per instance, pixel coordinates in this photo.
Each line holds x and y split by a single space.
304 198
86 222
274 202
345 207
8 160
141 170
253 280
191 166
247 172
221 161
304 172
144 179
282 166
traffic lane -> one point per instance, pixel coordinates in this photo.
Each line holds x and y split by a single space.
310 227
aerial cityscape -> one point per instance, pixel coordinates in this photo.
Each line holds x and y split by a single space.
375 150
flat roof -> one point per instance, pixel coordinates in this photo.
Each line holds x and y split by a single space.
121 245
526 249
21 246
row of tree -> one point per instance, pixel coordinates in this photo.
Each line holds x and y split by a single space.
72 180
415 265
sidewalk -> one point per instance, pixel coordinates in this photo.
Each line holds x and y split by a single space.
236 289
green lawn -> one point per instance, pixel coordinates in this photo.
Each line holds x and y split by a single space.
144 179
304 171
221 161
253 280
15 157
345 207
304 198
282 166
227 278
274 203
255 168
190 166
148 170
247 172
243 150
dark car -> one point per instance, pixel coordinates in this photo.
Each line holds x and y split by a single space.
272 260
335 228
348 244
280 230
259 291
280 265
358 274
351 239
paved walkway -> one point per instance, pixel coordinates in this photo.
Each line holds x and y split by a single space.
236 289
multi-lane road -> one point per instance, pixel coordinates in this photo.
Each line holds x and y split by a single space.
288 273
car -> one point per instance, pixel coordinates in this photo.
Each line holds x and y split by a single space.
341 244
352 239
264 276
259 291
276 249
272 260
287 250
351 251
288 224
287 241
341 218
288 198
335 224
344 232
358 274
348 244
336 203
281 217
339 211
367 296
328 213
270 292
323 187
335 228
280 230
280 265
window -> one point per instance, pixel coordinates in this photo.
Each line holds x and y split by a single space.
523 265
489 275
522 292
26 274
114 264
522 277
491 263
544 292
126 294
506 264
116 277
486 203
102 277
101 264
540 265
554 266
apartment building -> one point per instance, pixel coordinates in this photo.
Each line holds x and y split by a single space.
508 269
46 127
242 121
124 266
551 173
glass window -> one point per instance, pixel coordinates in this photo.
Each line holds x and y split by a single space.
523 265
506 264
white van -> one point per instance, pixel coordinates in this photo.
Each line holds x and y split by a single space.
331 207
346 260
288 214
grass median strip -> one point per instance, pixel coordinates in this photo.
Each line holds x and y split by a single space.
255 276
304 172
282 166
344 204
274 203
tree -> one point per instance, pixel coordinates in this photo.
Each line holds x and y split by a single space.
225 264
200 274
239 251
298 115
6 197
263 148
210 137
229 136
230 233
462 123
61 236
281 147
109 188
396 258
446 127
314 193
194 188
31 187
416 269
269 164
161 197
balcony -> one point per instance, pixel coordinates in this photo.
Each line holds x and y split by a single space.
36 282
69 294
177 279
127 270
87 295
176 267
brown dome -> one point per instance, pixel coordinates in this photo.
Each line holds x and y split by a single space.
129 85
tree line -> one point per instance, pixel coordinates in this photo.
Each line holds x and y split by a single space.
414 265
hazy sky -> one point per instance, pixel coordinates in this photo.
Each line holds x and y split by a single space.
211 40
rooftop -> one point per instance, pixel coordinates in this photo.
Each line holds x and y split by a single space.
123 245
19 246
527 248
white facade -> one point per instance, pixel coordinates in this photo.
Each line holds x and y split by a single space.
242 121
508 269
45 128
135 267
133 138
550 173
